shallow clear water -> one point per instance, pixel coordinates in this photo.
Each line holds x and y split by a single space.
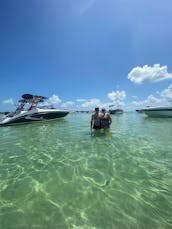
56 175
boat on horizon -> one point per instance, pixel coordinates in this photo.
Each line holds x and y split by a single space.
139 111
116 111
33 112
160 112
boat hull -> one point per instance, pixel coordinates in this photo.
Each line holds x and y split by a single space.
27 117
158 112
116 111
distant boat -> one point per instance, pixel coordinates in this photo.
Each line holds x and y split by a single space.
139 111
160 112
116 111
4 112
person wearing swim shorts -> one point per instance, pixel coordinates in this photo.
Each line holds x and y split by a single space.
96 119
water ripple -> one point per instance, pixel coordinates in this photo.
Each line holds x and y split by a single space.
56 175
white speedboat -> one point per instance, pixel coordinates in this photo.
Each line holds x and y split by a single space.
33 113
164 112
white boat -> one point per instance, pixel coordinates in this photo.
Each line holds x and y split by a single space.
164 112
33 113
116 111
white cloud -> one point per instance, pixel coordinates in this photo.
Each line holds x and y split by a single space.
80 100
68 103
8 101
164 99
118 95
150 101
92 103
153 100
167 94
54 100
117 98
134 96
148 74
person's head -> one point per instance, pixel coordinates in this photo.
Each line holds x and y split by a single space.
103 110
97 109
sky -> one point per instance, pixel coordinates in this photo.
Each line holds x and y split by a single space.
86 53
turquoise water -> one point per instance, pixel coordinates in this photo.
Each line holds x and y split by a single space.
56 175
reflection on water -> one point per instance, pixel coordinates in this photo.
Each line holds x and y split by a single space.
60 175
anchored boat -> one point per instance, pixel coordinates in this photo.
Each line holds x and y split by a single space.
161 112
116 111
33 113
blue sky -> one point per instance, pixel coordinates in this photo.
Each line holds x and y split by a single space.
84 53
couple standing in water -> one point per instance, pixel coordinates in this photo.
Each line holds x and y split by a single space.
101 120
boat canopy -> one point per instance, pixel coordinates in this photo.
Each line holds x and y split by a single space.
28 98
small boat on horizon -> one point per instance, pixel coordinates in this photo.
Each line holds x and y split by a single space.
160 112
139 111
33 113
116 111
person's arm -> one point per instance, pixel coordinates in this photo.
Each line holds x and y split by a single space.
91 124
92 120
110 119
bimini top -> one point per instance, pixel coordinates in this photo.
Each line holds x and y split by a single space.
28 98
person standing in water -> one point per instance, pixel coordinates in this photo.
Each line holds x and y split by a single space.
96 119
105 120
